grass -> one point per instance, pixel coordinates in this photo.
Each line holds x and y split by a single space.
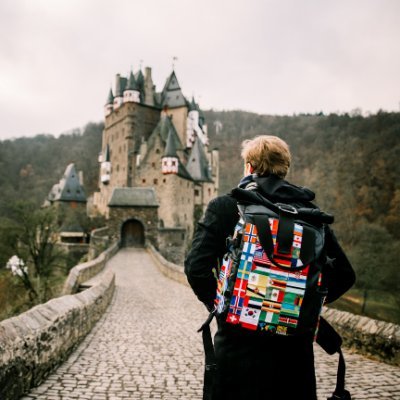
380 305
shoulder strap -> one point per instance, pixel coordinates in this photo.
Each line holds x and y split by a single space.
210 360
331 342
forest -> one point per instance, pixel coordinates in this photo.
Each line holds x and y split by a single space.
349 160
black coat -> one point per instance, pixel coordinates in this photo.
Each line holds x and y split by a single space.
251 365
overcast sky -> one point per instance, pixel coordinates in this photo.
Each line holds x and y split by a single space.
58 58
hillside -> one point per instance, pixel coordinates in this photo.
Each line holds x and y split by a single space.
351 162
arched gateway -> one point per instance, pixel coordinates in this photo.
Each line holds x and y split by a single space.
132 233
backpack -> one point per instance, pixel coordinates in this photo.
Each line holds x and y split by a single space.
271 279
271 276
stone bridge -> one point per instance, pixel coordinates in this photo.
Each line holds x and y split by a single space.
145 346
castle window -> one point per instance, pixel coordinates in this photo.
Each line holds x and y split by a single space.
209 191
157 151
164 180
196 192
153 164
143 180
155 181
173 163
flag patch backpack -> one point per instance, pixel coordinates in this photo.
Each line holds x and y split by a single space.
271 279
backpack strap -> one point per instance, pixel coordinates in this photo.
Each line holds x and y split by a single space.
264 233
331 342
284 236
210 360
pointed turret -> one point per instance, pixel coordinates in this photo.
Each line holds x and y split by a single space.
108 108
140 83
69 188
131 93
172 96
198 165
170 160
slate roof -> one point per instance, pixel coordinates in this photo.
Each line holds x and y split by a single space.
133 197
198 166
172 96
132 84
69 187
183 172
170 148
164 128
110 98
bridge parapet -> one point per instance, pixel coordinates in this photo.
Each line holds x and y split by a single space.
365 335
34 343
368 336
83 272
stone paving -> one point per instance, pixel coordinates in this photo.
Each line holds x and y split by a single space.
146 347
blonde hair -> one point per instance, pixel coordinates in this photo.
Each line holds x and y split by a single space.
267 155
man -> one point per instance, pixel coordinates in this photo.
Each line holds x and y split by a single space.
250 364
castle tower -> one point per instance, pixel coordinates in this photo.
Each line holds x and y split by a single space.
131 92
108 108
175 104
195 126
155 142
118 99
170 161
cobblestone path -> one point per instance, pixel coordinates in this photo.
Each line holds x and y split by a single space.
146 347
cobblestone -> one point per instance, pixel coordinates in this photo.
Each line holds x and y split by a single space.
146 347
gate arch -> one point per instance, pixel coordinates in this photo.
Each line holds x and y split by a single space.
132 233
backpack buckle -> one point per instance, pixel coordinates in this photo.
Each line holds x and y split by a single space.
287 208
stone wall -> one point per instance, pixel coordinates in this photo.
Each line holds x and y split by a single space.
167 268
34 343
99 241
83 272
171 244
378 339
146 215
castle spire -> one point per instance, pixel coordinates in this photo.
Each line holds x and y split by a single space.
108 108
131 92
170 160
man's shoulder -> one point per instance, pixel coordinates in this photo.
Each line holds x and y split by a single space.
224 202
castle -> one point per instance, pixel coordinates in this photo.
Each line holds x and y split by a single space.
157 173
